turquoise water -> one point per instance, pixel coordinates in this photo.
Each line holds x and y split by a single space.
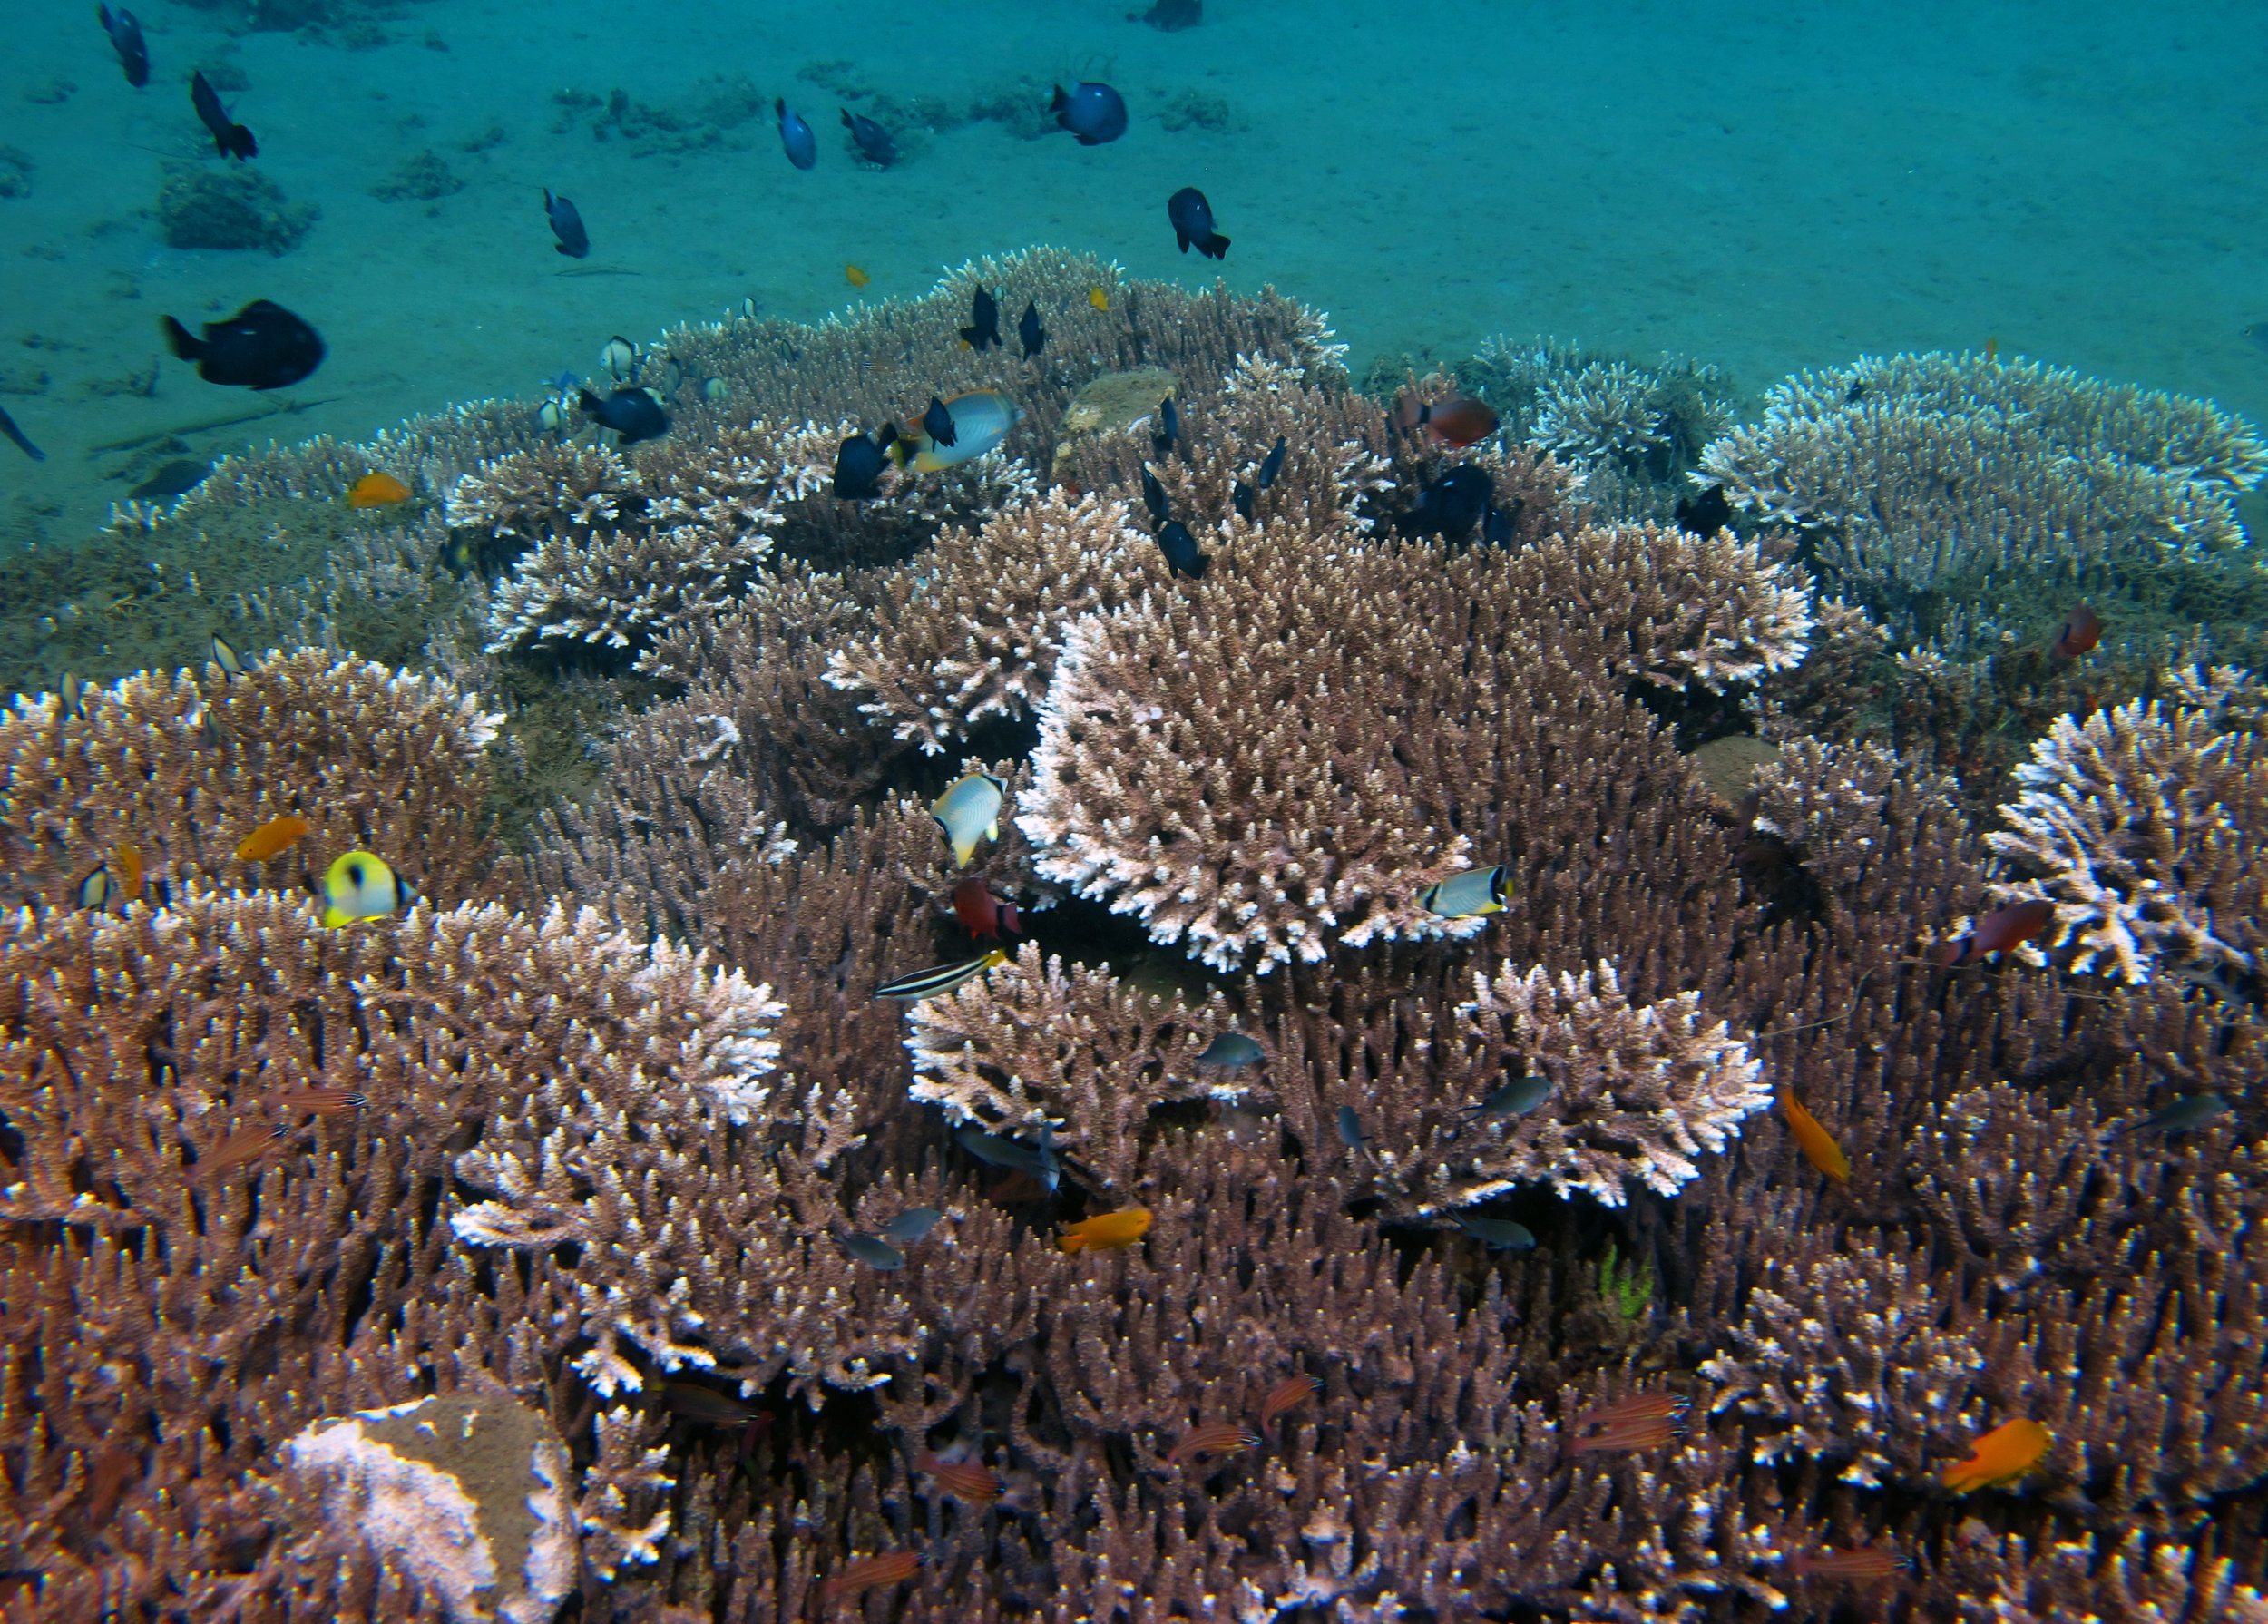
1763 188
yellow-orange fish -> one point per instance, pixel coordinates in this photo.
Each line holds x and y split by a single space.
128 858
855 276
1818 1144
376 490
276 836
2001 1456
1106 1229
1099 298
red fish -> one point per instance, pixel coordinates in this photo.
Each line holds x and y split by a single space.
1457 422
1868 1562
323 1102
872 1572
1216 1440
2001 1456
1287 1395
985 914
1654 1432
2003 928
972 1481
2081 631
1646 1406
249 1143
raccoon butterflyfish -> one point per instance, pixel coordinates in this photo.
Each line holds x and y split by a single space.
275 837
969 811
1461 895
1106 1229
2001 1456
361 886
376 490
931 984
981 421
1819 1145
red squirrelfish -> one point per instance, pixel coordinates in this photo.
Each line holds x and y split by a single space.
2003 928
986 916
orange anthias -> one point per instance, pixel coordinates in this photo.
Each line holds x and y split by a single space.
376 490
1106 1229
2002 1455
272 837
1818 1144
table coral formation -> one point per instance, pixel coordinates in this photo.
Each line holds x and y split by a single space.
1477 1280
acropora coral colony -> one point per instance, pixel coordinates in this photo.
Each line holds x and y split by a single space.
1763 1212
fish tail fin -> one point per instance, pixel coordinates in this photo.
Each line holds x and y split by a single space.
185 345
1197 569
1217 246
588 401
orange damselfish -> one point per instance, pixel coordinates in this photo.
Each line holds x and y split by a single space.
376 490
1107 1229
2002 1455
128 859
277 834
855 276
1818 1144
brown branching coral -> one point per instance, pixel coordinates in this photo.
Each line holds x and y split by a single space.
183 768
975 629
2140 824
1035 1041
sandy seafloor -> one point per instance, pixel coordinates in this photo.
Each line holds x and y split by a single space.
1765 187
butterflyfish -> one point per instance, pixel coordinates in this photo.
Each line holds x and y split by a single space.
944 978
1218 1439
1285 1396
377 490
272 838
360 886
969 812
1105 1230
972 1481
225 657
871 1573
2001 1456
981 421
1462 896
1819 1146
855 276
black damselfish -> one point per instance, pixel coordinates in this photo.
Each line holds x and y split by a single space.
1154 497
937 423
873 140
567 226
983 326
796 139
1179 546
858 466
1094 112
1029 330
234 141
1271 466
633 414
1192 219
1451 504
263 346
133 52
1169 427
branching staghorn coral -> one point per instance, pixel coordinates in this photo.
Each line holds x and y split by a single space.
1032 1040
183 768
2141 825
974 628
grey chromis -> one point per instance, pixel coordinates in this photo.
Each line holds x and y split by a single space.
1514 1099
912 1226
1231 1051
2182 1115
873 1252
1497 1234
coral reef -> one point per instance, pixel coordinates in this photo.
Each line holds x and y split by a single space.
200 207
587 1239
